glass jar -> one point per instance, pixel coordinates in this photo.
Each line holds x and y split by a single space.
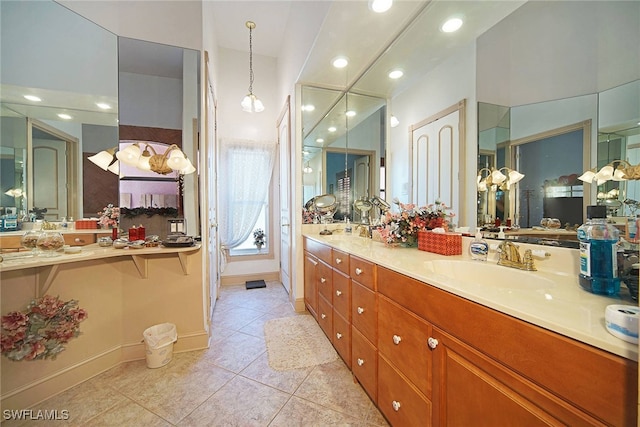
49 243
29 240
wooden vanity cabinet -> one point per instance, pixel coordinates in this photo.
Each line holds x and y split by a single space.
521 371
311 284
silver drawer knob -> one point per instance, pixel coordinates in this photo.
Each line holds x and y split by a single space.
360 310
338 293
323 280
358 271
360 362
432 342
324 316
338 335
396 405
396 339
338 261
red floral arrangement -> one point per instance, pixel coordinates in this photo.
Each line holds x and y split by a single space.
41 331
403 227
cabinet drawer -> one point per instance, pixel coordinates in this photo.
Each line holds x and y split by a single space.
399 400
363 272
364 364
340 261
402 338
342 294
325 281
79 239
364 311
321 251
325 317
342 337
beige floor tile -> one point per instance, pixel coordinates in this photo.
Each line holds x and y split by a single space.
236 352
300 412
241 402
235 318
332 385
82 402
127 413
256 328
287 381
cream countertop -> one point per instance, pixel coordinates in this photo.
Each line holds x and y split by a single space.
561 306
22 260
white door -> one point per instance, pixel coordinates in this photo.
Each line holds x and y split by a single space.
210 177
284 143
50 175
436 161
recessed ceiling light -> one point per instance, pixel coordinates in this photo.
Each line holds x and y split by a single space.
103 105
308 107
305 152
451 25
32 98
340 62
394 121
65 116
396 74
380 6
332 129
320 140
350 113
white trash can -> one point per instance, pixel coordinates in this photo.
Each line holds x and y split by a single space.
158 340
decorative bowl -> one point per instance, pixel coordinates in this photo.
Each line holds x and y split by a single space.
49 242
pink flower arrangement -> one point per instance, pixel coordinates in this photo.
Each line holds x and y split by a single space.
109 216
403 227
41 331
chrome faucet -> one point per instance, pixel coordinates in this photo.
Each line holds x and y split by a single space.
510 257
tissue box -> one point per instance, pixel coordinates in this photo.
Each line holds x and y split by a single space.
86 224
440 243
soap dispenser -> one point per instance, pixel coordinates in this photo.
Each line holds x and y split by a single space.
479 248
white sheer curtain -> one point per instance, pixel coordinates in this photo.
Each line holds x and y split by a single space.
244 176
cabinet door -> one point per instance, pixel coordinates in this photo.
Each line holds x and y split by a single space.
467 383
398 399
364 311
342 337
340 260
325 317
325 281
364 363
402 338
363 272
342 295
310 284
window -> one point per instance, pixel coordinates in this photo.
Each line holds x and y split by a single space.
247 247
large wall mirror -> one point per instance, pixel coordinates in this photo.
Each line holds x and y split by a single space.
343 151
552 113
59 95
87 90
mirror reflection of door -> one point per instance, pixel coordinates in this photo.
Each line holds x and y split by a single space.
435 147
54 169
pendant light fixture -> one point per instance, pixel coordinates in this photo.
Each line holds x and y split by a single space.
251 103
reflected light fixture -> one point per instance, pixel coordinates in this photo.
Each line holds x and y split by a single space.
395 74
103 105
15 192
380 6
340 62
105 158
394 121
250 103
451 25
495 178
33 98
65 116
622 172
173 159
307 168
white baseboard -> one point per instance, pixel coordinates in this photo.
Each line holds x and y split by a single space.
240 279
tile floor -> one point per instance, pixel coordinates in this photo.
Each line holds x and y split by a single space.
230 384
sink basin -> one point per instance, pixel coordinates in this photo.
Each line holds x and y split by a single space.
489 275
